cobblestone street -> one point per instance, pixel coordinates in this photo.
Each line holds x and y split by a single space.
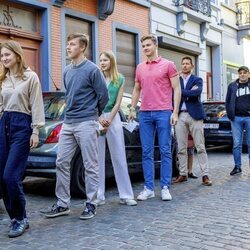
198 217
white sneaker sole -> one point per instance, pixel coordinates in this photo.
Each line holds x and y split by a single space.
145 198
166 199
58 214
128 203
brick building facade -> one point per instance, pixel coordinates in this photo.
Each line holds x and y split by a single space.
42 27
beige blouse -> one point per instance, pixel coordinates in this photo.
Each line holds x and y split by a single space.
25 96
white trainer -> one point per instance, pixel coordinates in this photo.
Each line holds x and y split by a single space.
146 194
128 202
165 195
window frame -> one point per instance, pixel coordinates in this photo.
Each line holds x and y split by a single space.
131 30
92 20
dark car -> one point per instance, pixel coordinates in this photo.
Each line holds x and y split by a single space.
217 126
42 160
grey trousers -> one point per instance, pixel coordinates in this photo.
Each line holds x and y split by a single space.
84 135
185 125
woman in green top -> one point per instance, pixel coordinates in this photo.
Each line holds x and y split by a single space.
113 132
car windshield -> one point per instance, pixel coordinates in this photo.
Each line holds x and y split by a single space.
54 107
214 109
126 104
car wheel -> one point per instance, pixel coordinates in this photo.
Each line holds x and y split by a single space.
175 161
78 176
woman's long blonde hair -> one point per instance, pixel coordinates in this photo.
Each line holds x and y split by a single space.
15 47
114 74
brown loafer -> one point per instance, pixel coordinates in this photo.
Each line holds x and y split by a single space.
180 179
206 181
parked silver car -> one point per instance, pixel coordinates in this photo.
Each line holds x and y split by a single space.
42 160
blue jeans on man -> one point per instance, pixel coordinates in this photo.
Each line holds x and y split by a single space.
150 122
239 124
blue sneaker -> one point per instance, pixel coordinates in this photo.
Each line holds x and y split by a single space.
89 212
18 227
56 211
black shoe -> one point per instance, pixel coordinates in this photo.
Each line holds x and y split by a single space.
236 170
18 227
192 176
89 212
57 211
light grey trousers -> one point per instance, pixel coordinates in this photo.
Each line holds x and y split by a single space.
115 141
84 135
185 125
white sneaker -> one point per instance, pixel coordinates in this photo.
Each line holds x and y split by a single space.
145 194
165 195
129 202
99 202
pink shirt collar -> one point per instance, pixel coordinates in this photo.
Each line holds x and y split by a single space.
154 61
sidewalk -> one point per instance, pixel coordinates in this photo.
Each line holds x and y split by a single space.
198 217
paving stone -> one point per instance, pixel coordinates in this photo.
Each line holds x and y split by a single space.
198 217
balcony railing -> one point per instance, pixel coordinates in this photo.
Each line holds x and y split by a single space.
202 6
243 12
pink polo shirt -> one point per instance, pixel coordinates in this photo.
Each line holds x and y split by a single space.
154 79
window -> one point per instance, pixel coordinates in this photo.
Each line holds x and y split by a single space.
232 73
126 104
230 3
82 26
175 56
21 19
54 106
126 57
209 72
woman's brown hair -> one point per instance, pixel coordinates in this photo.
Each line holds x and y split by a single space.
16 48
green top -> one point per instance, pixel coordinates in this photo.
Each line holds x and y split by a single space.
113 90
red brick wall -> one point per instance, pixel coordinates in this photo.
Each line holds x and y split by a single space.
56 47
130 14
127 13
84 6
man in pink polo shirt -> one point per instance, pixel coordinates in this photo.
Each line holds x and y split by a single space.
155 80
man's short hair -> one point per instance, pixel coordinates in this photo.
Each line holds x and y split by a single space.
245 68
150 37
83 38
187 58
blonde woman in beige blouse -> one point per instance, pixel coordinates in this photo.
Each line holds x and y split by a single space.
21 116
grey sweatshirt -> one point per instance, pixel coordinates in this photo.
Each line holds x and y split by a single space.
86 92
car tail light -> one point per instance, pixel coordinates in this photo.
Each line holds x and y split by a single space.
54 135
221 114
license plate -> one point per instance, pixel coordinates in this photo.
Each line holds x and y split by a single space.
211 125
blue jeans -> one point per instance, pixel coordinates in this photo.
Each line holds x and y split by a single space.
150 121
238 125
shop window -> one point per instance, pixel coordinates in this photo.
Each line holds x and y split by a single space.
82 26
126 57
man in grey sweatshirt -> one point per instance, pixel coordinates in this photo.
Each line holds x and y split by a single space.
86 97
